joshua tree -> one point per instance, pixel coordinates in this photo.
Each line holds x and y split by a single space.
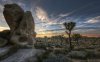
69 27
76 38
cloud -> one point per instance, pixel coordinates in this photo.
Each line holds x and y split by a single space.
21 4
43 17
42 28
2 19
7 1
52 22
56 22
41 14
94 20
1 8
66 14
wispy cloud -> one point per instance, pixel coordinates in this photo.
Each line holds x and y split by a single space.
21 4
7 1
43 17
65 15
53 22
94 20
41 14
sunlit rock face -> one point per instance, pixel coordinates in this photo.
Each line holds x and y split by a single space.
21 24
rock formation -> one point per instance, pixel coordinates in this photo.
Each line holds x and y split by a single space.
13 15
21 35
21 24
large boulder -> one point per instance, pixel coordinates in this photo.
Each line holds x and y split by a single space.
21 24
13 15
23 35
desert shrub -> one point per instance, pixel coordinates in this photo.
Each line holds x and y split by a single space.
40 46
50 56
61 51
57 58
3 42
93 54
78 54
5 34
79 49
43 56
99 49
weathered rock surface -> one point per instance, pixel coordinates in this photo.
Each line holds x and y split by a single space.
21 24
13 15
23 35
7 51
4 51
23 55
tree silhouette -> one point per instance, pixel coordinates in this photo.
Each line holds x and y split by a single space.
69 27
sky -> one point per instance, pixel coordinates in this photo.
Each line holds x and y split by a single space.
49 15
